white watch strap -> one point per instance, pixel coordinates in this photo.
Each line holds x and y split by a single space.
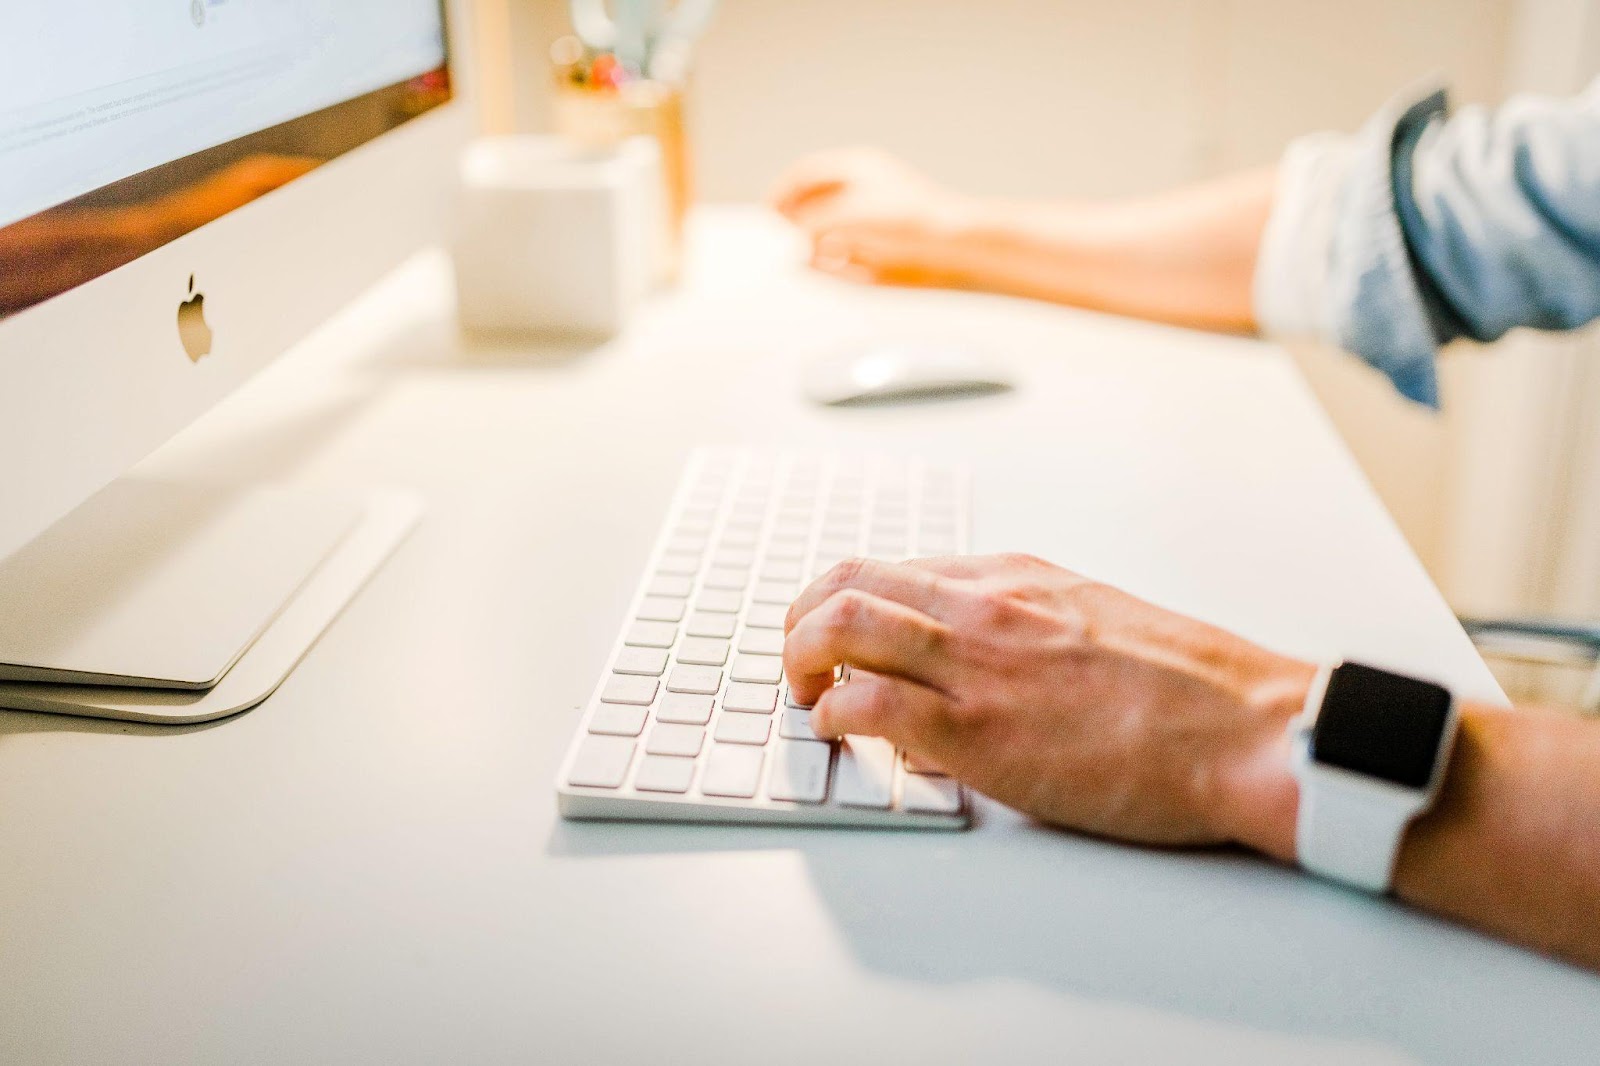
1349 829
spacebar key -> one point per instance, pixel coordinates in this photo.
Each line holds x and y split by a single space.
865 775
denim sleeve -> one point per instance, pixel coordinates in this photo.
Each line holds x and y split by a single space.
1426 227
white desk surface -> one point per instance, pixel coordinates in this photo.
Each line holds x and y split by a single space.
369 867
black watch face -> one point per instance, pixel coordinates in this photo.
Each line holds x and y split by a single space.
1382 725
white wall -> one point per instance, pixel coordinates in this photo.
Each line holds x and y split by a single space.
1049 96
1085 97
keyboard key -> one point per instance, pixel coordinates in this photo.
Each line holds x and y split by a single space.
727 579
732 770
602 762
770 592
670 585
662 773
762 699
737 537
651 634
734 558
736 728
662 609
865 777
796 725
761 669
679 563
723 601
687 544
781 570
647 662
929 795
702 679
761 641
670 739
914 766
617 719
786 548
685 708
702 651
790 701
837 546
766 616
706 624
626 688
799 772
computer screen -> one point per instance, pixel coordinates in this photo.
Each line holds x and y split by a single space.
124 126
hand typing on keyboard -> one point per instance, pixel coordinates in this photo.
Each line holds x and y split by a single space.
693 718
1067 699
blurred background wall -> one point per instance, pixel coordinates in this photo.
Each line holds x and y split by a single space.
1500 495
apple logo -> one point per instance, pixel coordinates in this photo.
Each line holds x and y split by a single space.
192 328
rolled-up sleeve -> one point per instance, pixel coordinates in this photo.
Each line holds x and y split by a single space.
1426 226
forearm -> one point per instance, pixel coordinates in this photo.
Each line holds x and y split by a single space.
1513 844
1186 257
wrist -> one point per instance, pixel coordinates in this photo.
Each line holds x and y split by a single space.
1261 795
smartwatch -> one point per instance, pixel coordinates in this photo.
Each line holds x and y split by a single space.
1370 751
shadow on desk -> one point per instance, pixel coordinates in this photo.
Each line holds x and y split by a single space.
438 343
19 723
1221 935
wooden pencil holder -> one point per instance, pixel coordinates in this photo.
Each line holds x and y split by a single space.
606 117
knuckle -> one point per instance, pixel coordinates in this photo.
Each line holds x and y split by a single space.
1022 561
847 573
992 608
844 610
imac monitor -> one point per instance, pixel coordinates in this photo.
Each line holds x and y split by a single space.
187 187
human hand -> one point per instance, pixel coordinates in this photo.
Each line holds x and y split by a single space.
1064 698
871 217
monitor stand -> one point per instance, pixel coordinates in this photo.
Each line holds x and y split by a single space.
178 620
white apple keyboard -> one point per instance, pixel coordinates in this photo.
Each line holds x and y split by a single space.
692 719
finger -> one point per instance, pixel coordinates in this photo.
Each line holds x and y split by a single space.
904 712
808 179
856 629
831 255
960 567
846 270
978 567
861 253
814 176
918 589
794 199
